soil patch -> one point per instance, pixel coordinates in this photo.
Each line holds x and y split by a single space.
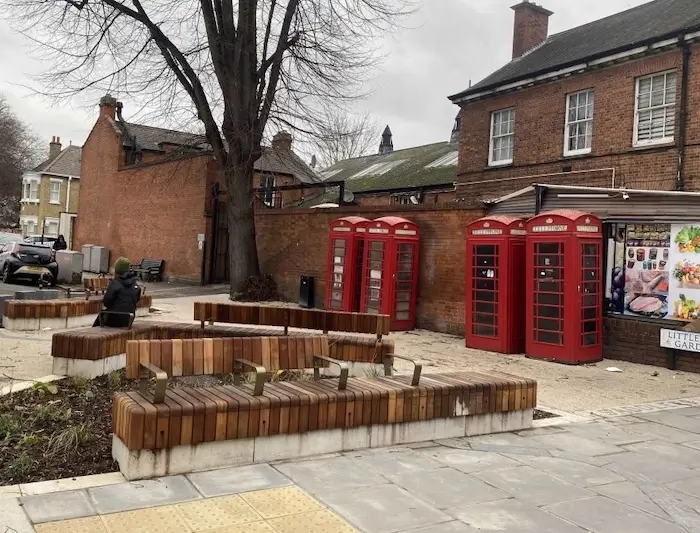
541 415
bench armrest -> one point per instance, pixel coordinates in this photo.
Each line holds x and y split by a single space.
343 379
119 313
145 371
260 374
417 369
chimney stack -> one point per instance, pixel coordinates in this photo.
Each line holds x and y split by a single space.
282 141
387 144
531 27
108 106
54 147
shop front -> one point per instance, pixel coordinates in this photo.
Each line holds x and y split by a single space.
651 264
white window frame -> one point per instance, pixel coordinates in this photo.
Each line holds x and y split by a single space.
568 123
492 137
636 142
52 182
28 182
25 220
268 194
49 221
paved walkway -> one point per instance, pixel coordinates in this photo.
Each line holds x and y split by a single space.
634 473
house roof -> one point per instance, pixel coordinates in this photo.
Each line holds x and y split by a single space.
273 160
66 163
432 164
654 21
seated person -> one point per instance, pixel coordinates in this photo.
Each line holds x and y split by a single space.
123 293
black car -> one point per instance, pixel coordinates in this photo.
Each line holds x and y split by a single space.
31 262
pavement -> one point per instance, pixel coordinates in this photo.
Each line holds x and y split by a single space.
614 473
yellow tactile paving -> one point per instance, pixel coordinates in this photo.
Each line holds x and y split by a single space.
273 503
204 515
316 522
154 520
286 510
79 525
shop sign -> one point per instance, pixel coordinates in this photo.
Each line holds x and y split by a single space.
680 340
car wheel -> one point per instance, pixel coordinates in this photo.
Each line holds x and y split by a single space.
5 275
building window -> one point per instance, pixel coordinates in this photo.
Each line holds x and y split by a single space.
267 190
55 195
29 225
502 137
30 190
402 200
655 109
51 227
579 123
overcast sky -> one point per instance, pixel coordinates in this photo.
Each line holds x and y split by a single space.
443 46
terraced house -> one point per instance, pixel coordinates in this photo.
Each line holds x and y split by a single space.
50 193
614 103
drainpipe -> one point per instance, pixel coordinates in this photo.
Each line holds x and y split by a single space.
682 127
70 178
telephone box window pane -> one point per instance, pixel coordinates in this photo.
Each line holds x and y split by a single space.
339 252
483 330
590 313
372 310
547 311
403 306
375 283
406 257
549 324
589 327
481 318
550 248
375 274
590 249
485 284
403 296
548 299
549 260
339 269
338 260
405 248
590 339
405 266
485 249
376 246
549 286
404 276
403 315
590 300
339 243
336 295
550 337
590 261
485 296
335 304
403 286
376 256
484 307
485 260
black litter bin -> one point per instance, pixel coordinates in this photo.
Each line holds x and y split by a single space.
306 292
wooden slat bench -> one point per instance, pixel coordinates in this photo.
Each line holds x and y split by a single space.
93 352
96 285
32 315
211 427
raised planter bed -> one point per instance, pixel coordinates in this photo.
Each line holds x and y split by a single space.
33 315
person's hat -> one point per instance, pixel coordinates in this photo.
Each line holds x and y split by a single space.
122 266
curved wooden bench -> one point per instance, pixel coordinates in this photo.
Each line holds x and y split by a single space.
210 427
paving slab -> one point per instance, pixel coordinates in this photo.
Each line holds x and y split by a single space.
470 461
532 485
603 515
58 506
432 487
511 516
687 411
76 483
513 450
690 486
662 432
637 467
13 519
448 527
341 473
383 509
656 449
141 494
575 472
571 442
608 433
629 494
236 480
674 420
10 491
505 439
397 461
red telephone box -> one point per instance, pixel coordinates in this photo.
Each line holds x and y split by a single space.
495 284
345 253
564 287
390 273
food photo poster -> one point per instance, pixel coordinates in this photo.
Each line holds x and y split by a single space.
684 292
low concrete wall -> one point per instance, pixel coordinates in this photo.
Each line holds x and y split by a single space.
36 324
211 455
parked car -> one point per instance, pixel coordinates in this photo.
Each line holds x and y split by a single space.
38 239
31 262
7 238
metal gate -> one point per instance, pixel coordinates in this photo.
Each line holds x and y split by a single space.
219 272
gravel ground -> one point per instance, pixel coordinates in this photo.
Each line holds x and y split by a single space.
567 388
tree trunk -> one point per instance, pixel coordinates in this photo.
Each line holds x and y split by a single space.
242 249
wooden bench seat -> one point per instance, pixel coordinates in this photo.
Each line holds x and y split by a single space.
292 419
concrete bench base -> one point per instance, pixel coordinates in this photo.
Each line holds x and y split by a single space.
86 368
143 464
36 324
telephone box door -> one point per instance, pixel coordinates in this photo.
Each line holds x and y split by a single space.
591 295
344 255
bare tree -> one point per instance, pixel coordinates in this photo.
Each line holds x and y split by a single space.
18 153
341 135
237 66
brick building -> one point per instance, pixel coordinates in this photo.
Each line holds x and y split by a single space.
614 103
149 192
410 176
50 193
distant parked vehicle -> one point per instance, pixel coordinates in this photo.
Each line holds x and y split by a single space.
32 262
7 238
38 239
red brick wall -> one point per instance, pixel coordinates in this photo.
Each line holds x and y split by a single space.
386 200
637 341
294 243
539 134
153 211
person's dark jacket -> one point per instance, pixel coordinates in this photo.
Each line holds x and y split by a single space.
60 245
123 294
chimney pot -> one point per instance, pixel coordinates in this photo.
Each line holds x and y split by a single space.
530 28
282 141
108 106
